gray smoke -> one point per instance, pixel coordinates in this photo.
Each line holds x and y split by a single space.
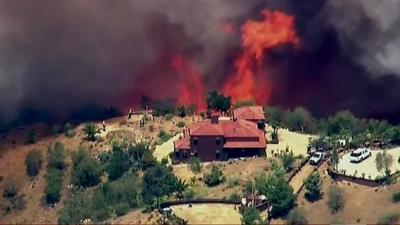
60 55
369 32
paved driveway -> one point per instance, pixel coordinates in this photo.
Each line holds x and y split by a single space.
368 166
165 148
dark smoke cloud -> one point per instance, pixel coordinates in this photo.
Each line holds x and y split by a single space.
58 56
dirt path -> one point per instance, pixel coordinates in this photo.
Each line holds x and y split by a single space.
297 180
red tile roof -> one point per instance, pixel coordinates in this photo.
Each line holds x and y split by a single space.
206 128
249 113
183 143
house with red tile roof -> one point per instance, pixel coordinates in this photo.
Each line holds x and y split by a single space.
217 139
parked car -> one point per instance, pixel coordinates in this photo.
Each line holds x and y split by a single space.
317 158
359 155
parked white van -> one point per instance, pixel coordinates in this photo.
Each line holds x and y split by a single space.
359 155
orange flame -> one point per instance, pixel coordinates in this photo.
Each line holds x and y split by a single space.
249 82
191 87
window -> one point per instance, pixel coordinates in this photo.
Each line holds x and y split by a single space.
195 141
218 141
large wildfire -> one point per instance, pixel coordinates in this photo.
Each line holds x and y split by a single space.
250 80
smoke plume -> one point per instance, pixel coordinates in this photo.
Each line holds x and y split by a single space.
59 56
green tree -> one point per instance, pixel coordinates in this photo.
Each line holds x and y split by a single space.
218 101
119 163
215 177
384 161
297 217
181 111
313 185
335 158
86 171
56 129
163 108
140 155
288 161
158 181
335 198
300 120
250 216
53 188
31 137
180 124
195 164
77 208
277 190
180 187
274 116
90 130
69 130
33 162
56 156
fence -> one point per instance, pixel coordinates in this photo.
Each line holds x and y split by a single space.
199 201
358 180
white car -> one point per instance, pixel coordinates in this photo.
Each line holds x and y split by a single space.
316 158
359 155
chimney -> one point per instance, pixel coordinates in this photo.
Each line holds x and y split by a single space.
215 117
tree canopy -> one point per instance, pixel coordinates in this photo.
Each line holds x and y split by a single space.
277 190
218 101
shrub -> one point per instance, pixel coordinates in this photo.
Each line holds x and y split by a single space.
396 197
235 196
33 162
180 124
388 219
181 111
233 181
215 177
313 185
297 217
163 136
76 208
31 137
10 192
169 117
69 130
119 163
86 171
90 130
57 156
335 198
121 208
195 164
288 161
56 129
248 187
250 216
54 180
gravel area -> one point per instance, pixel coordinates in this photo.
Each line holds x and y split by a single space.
368 166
